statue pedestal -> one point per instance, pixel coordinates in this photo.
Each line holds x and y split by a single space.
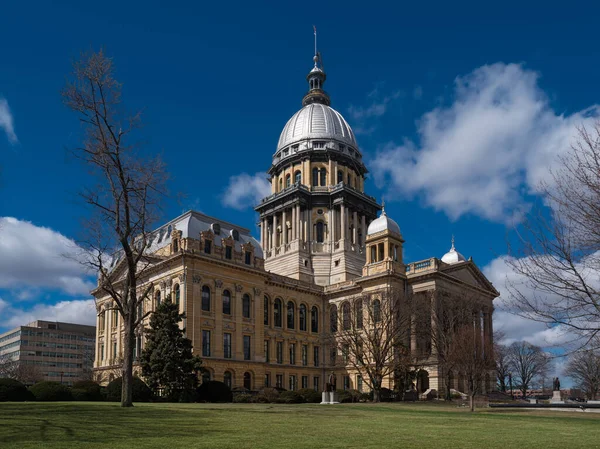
329 397
556 399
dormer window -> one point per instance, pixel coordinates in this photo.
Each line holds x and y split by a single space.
285 152
342 148
318 144
235 234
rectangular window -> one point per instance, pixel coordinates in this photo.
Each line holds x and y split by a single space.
359 383
227 345
279 352
316 383
267 351
292 353
246 347
206 343
345 353
207 246
267 380
333 356
101 352
279 380
346 382
266 311
316 356
293 385
304 381
228 252
304 355
247 257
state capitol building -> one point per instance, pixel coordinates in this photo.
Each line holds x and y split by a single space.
264 313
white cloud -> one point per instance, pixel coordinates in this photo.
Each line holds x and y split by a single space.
76 311
34 257
7 122
515 327
481 154
245 191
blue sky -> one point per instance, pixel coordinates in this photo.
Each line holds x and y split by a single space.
459 108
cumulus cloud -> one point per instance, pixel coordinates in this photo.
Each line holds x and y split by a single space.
481 154
34 257
77 311
245 191
7 122
515 327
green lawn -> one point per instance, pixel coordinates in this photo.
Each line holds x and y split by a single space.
93 425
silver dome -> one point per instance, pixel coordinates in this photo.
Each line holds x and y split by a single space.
382 223
316 121
453 256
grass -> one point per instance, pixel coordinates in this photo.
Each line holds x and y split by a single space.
106 425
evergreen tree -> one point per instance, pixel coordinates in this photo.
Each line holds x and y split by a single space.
167 361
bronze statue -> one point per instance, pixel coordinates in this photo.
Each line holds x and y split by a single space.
556 384
331 382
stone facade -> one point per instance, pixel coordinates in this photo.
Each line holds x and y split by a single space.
260 314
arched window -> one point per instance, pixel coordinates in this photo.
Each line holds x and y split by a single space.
246 306
177 294
340 176
280 184
247 381
315 176
323 177
266 311
277 312
288 180
333 319
206 298
227 378
346 316
314 319
302 317
226 302
373 253
359 313
377 311
157 298
320 232
298 177
291 315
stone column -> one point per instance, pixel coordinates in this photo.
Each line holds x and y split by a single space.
238 340
217 334
298 223
283 228
363 228
331 178
342 221
355 227
293 223
274 238
477 318
263 233
331 226
309 227
335 180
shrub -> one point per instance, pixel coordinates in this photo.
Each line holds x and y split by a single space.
242 398
51 391
270 394
310 395
86 390
141 391
365 397
290 397
260 399
214 391
13 390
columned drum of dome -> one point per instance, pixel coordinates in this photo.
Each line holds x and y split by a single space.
314 223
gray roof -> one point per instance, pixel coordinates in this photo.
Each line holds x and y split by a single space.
192 223
382 223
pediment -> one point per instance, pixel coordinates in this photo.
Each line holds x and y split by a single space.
468 273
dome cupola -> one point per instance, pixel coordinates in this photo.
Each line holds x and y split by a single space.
383 223
453 256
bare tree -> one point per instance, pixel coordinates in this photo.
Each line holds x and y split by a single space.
441 325
502 363
372 336
124 199
468 357
558 258
584 368
8 366
527 362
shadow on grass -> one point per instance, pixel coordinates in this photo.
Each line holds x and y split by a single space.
77 422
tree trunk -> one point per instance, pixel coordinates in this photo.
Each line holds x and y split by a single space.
127 374
376 394
524 392
472 402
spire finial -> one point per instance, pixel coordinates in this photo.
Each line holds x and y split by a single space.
382 204
452 249
316 57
